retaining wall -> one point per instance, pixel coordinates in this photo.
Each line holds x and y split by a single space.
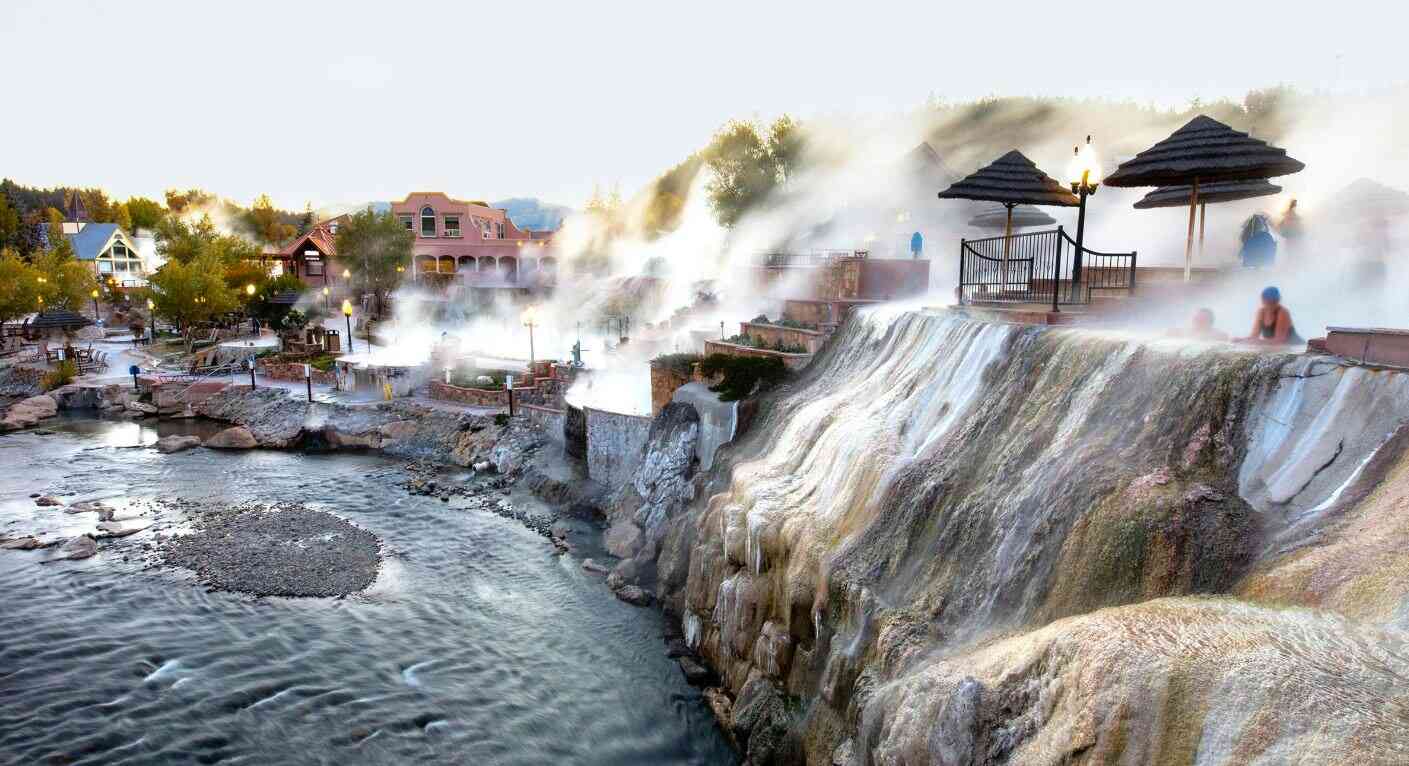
616 444
791 361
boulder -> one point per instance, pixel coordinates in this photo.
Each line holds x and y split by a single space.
105 512
623 539
341 440
113 529
634 595
235 437
143 408
47 501
26 543
592 565
695 673
176 443
27 412
80 547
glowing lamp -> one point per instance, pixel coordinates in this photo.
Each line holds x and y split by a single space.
151 306
94 294
346 274
347 308
249 289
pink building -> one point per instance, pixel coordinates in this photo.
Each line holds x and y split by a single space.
473 245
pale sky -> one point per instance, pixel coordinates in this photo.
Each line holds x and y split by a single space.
344 102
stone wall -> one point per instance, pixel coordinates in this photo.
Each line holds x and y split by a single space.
476 397
552 421
791 361
777 335
616 443
293 371
664 381
821 312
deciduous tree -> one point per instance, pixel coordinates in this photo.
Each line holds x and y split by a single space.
19 294
373 245
191 292
67 282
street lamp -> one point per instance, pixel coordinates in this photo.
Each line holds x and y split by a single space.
325 298
347 312
249 289
96 317
1086 172
528 317
152 314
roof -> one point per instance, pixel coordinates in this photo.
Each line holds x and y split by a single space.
1365 197
1024 216
1012 180
320 236
1223 191
92 239
1205 149
58 318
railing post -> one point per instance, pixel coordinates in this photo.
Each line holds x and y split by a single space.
963 244
1133 255
1057 271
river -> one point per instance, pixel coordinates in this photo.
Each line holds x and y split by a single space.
474 645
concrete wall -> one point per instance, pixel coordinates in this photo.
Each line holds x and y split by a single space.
477 397
615 446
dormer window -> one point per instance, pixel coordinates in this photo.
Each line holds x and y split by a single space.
427 221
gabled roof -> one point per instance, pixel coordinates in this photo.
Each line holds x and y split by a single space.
93 239
320 236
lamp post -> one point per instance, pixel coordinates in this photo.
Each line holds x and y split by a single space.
528 322
96 316
325 298
1085 169
152 319
347 312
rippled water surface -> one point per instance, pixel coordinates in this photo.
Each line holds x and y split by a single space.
475 645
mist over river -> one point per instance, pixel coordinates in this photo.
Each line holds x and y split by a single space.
473 645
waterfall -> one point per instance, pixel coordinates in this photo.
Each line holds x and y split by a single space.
964 479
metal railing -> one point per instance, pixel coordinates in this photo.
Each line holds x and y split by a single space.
1039 267
811 259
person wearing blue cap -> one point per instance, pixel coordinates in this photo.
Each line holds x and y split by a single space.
1272 325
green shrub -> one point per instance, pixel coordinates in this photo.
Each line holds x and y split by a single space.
743 375
502 419
59 376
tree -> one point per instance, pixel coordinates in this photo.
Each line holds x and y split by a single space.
67 283
19 294
99 207
191 292
785 146
10 223
178 202
145 213
744 172
121 217
267 222
181 241
373 245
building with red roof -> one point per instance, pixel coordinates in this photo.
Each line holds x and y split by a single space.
473 245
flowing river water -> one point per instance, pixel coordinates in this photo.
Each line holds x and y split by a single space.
474 645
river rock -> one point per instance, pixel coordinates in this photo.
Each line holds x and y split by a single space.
235 437
593 565
112 529
142 407
26 543
105 512
47 501
27 412
634 595
177 443
695 673
623 539
80 547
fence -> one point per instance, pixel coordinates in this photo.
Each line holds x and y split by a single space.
1039 267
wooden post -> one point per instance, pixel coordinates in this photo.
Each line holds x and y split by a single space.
1007 239
1203 222
1189 243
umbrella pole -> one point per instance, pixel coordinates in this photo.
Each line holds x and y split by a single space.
1007 239
1189 242
1203 221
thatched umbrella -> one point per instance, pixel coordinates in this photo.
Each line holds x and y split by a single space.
1023 217
59 319
1364 199
1222 191
1203 151
1011 180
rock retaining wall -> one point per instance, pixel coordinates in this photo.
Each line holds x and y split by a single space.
615 445
791 361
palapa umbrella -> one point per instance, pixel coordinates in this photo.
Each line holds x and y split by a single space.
1222 191
1023 216
1364 199
58 319
1011 180
1203 151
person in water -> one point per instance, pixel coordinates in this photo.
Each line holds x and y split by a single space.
1202 328
1272 325
1259 247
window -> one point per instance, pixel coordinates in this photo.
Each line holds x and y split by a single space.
105 266
119 250
427 221
499 228
407 221
452 225
333 228
312 263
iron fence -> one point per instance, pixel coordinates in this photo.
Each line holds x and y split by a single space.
1039 267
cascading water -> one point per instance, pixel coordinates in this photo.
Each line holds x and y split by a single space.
932 483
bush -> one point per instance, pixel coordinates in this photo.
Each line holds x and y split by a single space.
60 376
743 375
501 419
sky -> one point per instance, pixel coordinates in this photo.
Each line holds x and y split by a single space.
342 103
